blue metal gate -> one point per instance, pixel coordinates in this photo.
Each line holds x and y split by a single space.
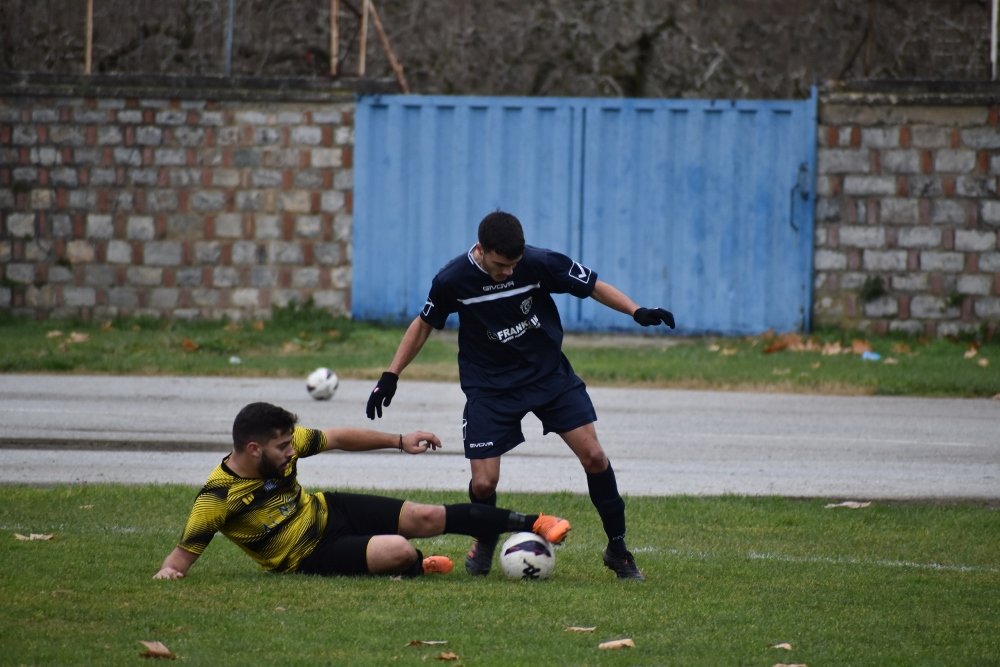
704 207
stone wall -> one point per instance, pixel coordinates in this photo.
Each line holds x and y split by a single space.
907 210
190 199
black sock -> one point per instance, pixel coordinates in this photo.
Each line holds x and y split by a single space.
603 487
477 520
417 568
484 537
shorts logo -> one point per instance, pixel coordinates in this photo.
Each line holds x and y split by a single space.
579 272
480 445
526 306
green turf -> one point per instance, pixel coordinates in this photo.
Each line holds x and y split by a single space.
728 579
297 339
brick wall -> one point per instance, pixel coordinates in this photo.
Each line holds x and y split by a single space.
908 212
179 200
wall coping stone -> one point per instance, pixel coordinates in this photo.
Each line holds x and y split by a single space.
256 89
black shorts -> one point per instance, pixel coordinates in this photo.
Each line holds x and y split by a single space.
491 421
353 520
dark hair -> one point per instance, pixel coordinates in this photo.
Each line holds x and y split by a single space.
501 233
261 421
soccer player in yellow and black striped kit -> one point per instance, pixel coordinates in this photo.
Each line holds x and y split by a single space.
253 498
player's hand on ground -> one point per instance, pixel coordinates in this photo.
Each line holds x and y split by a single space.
649 317
419 442
169 573
382 394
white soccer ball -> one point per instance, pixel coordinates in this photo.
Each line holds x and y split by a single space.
322 384
527 556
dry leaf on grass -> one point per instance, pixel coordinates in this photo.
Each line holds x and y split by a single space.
982 363
728 351
189 345
890 361
971 352
77 337
448 655
617 643
156 650
832 349
34 537
794 664
55 333
859 346
427 642
783 645
848 504
576 628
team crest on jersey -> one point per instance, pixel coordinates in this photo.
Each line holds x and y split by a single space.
526 306
579 272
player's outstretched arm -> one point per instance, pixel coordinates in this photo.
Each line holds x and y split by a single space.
409 346
176 564
365 440
614 298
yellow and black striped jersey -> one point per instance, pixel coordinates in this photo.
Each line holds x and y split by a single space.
273 520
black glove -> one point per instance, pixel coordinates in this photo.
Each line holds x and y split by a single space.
382 394
648 317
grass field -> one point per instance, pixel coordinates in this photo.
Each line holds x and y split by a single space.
299 338
729 580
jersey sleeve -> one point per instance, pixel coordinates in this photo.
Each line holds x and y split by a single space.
308 441
438 306
564 275
208 516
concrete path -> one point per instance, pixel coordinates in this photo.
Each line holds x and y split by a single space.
79 429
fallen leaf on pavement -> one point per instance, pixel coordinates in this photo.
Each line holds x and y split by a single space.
617 643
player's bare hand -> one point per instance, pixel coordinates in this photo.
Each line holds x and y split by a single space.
650 317
419 442
169 573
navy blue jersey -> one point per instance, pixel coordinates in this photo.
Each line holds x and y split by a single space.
509 333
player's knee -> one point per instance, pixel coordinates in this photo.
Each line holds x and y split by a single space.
398 554
594 461
483 487
427 519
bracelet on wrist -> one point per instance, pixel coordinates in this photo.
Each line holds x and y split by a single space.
400 443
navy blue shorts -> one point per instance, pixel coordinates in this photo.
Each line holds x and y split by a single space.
491 422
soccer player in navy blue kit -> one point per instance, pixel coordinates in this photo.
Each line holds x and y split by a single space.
510 363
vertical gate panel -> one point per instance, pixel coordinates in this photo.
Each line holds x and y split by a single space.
427 169
690 205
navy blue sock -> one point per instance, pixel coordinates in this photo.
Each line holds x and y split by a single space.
603 487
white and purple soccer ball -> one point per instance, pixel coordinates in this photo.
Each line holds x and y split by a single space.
322 384
527 556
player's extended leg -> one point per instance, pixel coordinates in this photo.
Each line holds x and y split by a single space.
483 490
603 488
421 520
